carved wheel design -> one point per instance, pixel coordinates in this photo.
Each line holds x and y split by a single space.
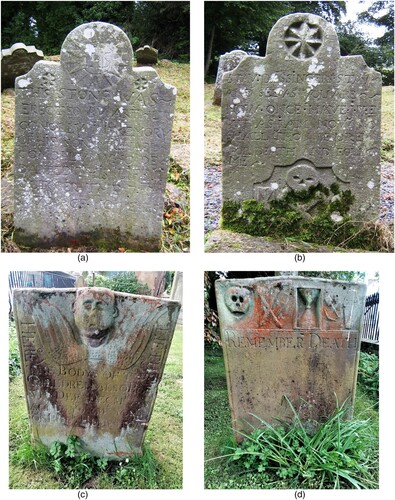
303 39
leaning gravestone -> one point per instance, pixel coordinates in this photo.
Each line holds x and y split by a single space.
92 360
16 61
147 55
227 62
302 119
92 145
293 337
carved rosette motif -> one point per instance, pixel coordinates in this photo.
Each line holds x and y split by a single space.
303 39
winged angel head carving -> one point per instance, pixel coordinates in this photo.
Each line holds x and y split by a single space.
94 315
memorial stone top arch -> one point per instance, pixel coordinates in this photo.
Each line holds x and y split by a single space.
92 145
302 116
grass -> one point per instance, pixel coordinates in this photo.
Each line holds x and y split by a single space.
212 128
175 235
387 125
241 469
35 467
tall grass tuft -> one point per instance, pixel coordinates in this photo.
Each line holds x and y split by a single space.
338 454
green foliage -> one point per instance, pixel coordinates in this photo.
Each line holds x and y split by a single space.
358 438
176 218
72 466
14 362
368 375
334 456
46 24
246 25
350 276
289 217
127 282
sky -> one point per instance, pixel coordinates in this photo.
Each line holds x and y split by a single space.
354 7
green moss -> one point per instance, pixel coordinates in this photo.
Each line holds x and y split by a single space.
305 215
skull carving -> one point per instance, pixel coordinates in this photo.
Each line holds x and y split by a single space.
238 300
302 177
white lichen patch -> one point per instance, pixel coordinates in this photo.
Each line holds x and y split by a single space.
259 70
274 186
311 83
241 113
370 184
314 66
89 33
273 149
336 217
90 49
273 78
244 92
24 82
236 101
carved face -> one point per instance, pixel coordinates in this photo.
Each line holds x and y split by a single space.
94 313
238 300
302 177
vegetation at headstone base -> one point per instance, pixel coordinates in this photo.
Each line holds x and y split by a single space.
176 234
246 25
289 217
33 466
165 25
356 454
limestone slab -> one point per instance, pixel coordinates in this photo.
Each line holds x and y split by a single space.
289 337
92 145
302 116
92 360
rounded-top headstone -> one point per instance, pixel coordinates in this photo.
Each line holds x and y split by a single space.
303 117
16 61
96 54
92 141
147 55
227 62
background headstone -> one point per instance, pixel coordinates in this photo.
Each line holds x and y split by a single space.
227 62
300 117
147 55
289 336
92 360
91 147
16 61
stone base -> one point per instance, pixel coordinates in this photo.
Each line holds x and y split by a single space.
223 241
103 240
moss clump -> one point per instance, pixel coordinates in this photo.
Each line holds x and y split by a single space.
316 215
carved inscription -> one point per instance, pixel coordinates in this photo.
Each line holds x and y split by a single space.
300 339
92 144
96 370
301 116
266 339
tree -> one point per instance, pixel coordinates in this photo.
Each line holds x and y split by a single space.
126 282
381 13
46 24
246 25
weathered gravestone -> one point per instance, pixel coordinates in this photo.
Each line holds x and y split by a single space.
92 145
302 120
293 337
227 62
92 360
17 60
147 55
